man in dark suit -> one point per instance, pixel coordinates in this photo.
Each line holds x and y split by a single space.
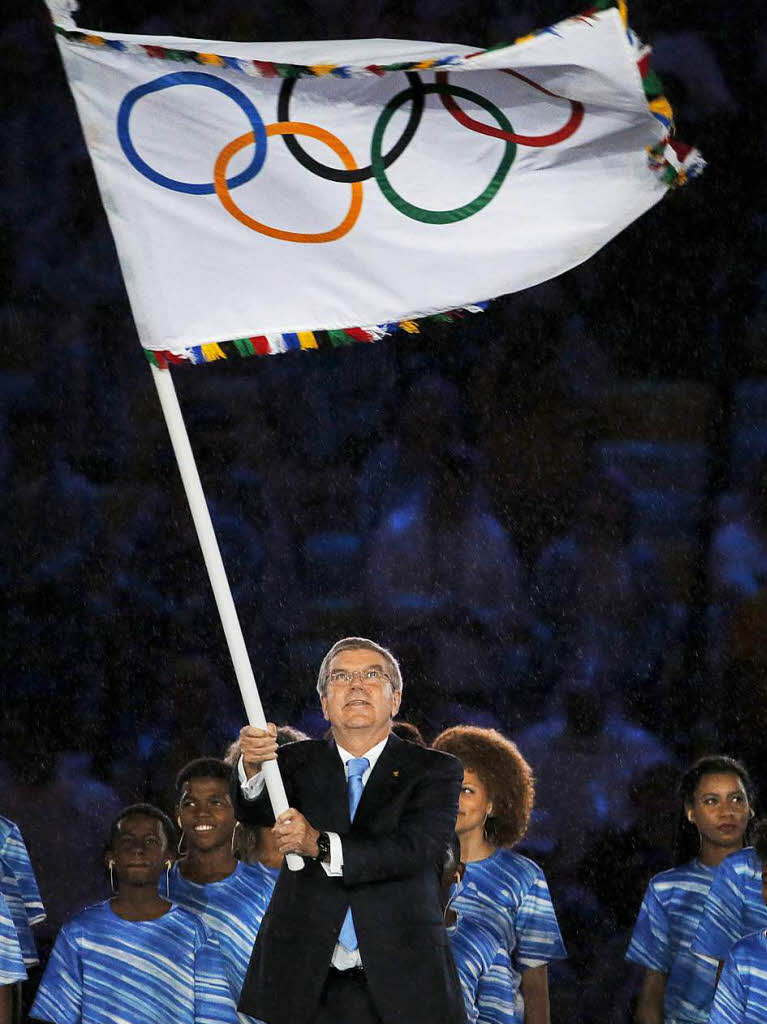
357 936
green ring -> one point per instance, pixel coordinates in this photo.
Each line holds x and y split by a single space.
460 212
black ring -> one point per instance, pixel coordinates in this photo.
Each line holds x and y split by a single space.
363 173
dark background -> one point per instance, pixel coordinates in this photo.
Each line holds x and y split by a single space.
555 512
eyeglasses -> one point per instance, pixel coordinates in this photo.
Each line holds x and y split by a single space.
372 676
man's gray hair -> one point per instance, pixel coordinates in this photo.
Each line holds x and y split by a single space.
350 643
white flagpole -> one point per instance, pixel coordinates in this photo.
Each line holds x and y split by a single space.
219 582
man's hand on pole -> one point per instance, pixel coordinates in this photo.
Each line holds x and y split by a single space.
257 746
294 834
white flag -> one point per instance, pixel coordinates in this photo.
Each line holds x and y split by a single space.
287 195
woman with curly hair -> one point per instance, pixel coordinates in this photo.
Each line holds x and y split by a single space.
493 814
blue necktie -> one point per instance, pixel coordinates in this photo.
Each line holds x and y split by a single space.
356 766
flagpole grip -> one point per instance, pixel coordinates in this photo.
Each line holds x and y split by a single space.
220 583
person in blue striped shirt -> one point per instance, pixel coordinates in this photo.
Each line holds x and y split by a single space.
678 986
475 938
19 887
12 969
500 885
734 907
741 995
137 958
229 896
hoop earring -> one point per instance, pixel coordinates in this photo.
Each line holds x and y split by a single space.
167 879
112 878
181 853
234 833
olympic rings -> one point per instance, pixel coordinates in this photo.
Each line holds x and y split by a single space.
460 212
537 141
363 173
191 78
351 174
283 128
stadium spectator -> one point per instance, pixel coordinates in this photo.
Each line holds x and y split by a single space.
585 754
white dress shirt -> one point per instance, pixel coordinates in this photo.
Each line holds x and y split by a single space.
252 787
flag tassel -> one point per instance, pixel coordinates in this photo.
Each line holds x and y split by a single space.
273 344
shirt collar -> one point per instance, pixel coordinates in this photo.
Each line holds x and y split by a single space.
372 755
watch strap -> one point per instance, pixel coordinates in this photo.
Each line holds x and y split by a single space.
323 847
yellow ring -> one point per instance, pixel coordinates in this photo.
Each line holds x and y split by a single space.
288 128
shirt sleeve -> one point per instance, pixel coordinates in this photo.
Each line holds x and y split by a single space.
16 857
721 921
59 998
649 944
12 967
730 999
538 937
250 787
335 868
9 887
213 1000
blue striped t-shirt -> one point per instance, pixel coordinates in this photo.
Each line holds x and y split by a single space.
734 906
19 886
514 896
12 967
741 995
232 908
105 970
474 947
666 925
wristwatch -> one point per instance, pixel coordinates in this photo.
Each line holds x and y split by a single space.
323 847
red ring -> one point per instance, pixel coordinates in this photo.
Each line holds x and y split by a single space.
538 141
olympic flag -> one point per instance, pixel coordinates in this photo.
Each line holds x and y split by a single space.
265 197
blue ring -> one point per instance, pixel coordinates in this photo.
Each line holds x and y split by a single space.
192 78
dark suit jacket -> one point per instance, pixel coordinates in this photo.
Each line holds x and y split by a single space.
393 851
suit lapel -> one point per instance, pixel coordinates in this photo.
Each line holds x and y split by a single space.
384 779
332 781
